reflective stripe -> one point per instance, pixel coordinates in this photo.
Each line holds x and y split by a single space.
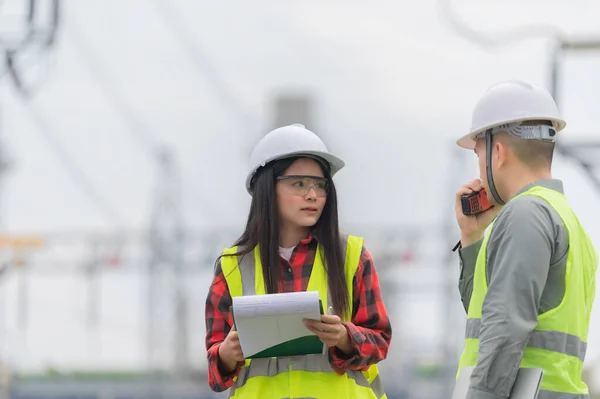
377 387
246 264
555 341
472 330
560 395
270 367
558 342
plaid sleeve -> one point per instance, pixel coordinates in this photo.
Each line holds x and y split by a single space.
370 330
218 323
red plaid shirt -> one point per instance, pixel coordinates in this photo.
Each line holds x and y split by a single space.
370 330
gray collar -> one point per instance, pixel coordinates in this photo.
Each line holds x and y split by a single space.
552 184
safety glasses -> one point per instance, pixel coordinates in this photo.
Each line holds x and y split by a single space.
300 185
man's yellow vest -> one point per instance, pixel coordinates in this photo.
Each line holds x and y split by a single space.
558 343
308 376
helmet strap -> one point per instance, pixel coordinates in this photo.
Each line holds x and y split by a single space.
488 167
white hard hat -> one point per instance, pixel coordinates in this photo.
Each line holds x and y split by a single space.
508 102
289 141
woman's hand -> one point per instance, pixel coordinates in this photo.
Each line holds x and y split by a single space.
230 352
331 332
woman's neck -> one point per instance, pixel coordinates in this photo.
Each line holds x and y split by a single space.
289 236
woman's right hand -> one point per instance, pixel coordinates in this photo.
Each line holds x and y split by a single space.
472 228
230 352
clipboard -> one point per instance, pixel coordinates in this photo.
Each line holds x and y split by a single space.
526 386
305 345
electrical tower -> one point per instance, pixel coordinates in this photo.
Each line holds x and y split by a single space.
590 164
167 298
293 108
15 55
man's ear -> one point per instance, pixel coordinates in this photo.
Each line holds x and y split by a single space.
501 153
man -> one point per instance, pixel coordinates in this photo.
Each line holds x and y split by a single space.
527 265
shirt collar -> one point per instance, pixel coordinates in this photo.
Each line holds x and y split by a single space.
308 239
552 184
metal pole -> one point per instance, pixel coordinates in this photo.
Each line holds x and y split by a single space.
555 69
23 305
560 49
181 311
555 62
450 262
150 307
166 273
93 287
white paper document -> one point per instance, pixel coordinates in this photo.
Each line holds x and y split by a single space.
265 321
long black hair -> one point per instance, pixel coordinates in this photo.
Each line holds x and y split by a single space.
262 229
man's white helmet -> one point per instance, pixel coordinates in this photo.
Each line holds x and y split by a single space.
508 102
289 141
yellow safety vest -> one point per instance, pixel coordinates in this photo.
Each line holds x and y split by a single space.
558 343
308 376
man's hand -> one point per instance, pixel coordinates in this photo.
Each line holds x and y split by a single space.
472 227
230 352
331 332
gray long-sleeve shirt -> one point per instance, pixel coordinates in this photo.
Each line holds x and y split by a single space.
526 265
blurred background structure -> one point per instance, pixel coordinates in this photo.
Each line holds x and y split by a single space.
125 131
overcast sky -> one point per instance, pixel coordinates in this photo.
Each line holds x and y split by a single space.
393 87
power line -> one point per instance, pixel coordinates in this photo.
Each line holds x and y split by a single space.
203 62
517 34
79 179
138 130
34 36
555 73
499 38
45 129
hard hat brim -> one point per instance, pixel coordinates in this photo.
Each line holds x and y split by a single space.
467 141
335 163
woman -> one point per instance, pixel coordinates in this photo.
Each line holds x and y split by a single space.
293 218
